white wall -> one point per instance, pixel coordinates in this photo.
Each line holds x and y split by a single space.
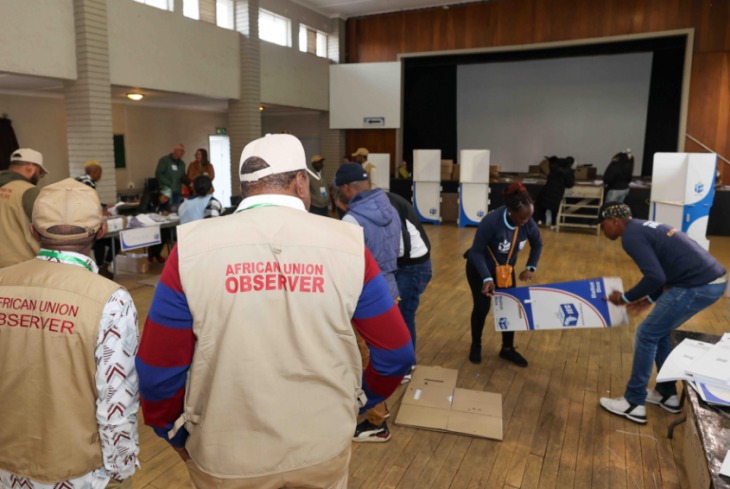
151 133
297 14
361 91
37 38
589 108
299 125
40 124
292 78
156 49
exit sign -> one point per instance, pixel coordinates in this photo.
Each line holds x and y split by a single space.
221 131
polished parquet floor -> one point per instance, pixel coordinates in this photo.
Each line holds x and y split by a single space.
555 433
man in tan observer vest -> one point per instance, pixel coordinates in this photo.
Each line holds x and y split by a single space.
68 385
361 157
18 191
264 383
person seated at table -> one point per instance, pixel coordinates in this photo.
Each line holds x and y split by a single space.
160 204
203 205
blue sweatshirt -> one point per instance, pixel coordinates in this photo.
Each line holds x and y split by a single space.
666 257
495 232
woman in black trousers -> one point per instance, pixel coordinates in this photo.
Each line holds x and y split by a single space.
499 238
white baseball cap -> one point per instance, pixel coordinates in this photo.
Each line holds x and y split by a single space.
282 152
28 155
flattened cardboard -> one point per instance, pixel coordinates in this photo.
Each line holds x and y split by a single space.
694 455
433 402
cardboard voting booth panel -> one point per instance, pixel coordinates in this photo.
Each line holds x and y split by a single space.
433 402
473 203
559 306
474 165
426 165
427 201
381 161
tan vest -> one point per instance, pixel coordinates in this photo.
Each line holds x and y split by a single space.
49 322
16 243
276 373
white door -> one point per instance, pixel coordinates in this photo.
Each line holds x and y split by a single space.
220 158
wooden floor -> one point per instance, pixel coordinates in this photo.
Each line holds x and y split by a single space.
555 433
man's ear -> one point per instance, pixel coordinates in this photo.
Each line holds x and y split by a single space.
33 232
102 231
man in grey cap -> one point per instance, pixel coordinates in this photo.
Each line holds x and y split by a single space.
18 192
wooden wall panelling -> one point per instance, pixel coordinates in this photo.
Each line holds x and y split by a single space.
375 140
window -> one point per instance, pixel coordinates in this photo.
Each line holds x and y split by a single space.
311 41
191 8
224 13
120 159
163 4
274 28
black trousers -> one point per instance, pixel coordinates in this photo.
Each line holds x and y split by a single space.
482 304
103 250
541 213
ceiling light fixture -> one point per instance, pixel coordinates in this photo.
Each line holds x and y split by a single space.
261 108
135 96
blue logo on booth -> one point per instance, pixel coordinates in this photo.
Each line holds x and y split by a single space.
568 315
699 187
503 323
433 211
480 213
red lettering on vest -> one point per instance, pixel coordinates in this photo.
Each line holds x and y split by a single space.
258 281
229 270
2 319
232 285
319 269
34 320
25 321
54 322
238 268
245 283
318 284
15 304
304 284
295 268
14 318
310 269
282 282
268 268
293 284
246 268
271 282
67 325
260 267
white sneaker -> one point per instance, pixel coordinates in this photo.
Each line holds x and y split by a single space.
406 379
670 404
622 407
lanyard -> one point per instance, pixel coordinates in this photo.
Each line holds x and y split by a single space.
61 256
254 206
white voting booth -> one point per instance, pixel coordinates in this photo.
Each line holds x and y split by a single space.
473 186
381 161
682 190
427 185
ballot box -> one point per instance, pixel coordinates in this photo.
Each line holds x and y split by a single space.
567 305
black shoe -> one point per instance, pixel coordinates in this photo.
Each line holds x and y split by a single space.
366 432
475 355
511 355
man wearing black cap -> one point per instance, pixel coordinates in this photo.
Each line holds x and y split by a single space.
680 277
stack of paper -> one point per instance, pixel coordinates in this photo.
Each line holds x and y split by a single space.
705 366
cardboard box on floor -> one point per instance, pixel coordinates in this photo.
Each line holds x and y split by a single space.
449 207
456 173
433 402
133 262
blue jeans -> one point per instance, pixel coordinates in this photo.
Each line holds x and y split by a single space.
653 341
412 281
617 195
176 198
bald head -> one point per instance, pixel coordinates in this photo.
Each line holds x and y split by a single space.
178 152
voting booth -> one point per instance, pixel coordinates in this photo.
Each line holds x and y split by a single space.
473 186
381 162
682 191
567 305
427 185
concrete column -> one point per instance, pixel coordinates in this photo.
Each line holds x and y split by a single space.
88 99
244 116
332 145
336 41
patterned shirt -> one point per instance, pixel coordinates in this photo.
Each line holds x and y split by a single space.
213 209
87 180
117 345
168 343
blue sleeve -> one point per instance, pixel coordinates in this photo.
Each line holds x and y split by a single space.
533 235
478 252
639 249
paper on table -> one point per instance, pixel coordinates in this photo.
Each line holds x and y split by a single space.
684 355
725 469
714 365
